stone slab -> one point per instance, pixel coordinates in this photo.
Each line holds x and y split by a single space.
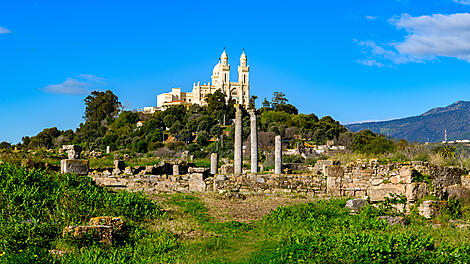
379 193
74 166
197 185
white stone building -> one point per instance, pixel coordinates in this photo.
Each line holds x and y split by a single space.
220 80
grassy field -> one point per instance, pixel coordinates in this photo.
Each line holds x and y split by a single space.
207 228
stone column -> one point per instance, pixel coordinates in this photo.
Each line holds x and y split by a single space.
278 155
176 169
214 163
108 149
254 142
238 159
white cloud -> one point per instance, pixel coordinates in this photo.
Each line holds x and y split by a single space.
78 85
92 77
463 2
4 30
381 55
427 38
435 36
370 62
371 17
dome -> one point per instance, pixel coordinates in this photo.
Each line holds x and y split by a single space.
216 68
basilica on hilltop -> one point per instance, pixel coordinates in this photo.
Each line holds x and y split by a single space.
220 81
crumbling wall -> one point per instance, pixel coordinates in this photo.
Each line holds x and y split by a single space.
359 179
377 181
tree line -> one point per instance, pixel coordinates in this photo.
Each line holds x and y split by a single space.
199 129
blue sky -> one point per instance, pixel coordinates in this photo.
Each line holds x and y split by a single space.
353 60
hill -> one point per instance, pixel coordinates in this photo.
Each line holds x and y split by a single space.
428 127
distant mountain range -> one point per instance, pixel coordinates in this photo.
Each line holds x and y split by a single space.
428 127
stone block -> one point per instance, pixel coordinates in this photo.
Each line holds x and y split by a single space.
103 233
226 169
376 181
197 170
430 208
355 205
458 192
320 164
395 179
197 176
128 170
380 192
406 174
176 169
416 191
74 166
465 181
197 185
115 222
393 220
333 186
334 171
221 177
73 151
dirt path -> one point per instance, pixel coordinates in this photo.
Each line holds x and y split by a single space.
251 208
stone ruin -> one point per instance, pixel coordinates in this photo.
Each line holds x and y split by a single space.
102 228
361 179
73 164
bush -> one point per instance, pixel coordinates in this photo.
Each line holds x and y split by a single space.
367 142
35 206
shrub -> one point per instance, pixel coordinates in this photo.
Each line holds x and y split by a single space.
35 206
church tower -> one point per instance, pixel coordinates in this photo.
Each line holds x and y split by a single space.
224 73
243 79
221 74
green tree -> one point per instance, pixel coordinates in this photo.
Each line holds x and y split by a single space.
89 132
176 127
169 120
367 142
5 145
45 138
216 131
252 103
215 101
203 139
279 98
288 108
266 103
101 105
125 119
139 146
185 135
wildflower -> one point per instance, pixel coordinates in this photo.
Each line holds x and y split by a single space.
1 254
